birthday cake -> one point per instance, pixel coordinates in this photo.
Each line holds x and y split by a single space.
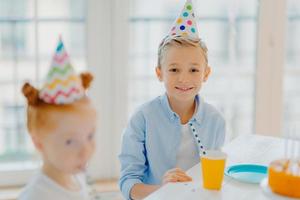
284 177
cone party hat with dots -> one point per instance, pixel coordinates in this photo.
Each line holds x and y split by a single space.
185 24
62 85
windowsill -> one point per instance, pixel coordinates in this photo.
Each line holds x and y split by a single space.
17 174
9 193
18 166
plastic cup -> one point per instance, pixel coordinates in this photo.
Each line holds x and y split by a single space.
213 165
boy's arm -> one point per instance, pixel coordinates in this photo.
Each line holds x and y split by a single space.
133 154
140 190
134 163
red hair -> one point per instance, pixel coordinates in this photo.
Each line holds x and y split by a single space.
43 116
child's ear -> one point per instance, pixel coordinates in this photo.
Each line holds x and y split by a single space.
207 72
158 73
37 143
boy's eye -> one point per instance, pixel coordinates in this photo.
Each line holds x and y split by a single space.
173 70
194 70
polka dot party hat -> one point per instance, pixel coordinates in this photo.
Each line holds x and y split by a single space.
185 24
62 85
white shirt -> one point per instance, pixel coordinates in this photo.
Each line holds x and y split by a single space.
187 155
41 187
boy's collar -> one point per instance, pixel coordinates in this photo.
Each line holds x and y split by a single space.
198 115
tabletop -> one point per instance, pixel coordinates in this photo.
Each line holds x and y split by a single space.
252 149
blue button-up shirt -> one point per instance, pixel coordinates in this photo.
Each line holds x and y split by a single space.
152 138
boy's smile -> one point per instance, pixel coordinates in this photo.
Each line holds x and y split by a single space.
184 89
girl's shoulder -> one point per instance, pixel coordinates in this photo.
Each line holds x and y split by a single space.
34 189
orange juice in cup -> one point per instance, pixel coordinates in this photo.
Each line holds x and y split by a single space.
213 165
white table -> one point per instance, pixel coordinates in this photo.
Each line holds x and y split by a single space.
244 149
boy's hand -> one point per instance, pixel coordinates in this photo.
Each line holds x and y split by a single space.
175 175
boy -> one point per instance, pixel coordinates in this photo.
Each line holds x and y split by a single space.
167 135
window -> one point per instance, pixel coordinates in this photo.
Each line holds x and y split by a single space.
292 65
29 31
229 30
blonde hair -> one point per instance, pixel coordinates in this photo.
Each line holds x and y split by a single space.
40 114
180 41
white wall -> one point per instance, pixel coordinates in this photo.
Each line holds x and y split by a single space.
107 36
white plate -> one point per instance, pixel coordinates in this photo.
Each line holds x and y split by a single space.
268 192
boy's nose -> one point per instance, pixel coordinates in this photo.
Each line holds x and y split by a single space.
183 77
